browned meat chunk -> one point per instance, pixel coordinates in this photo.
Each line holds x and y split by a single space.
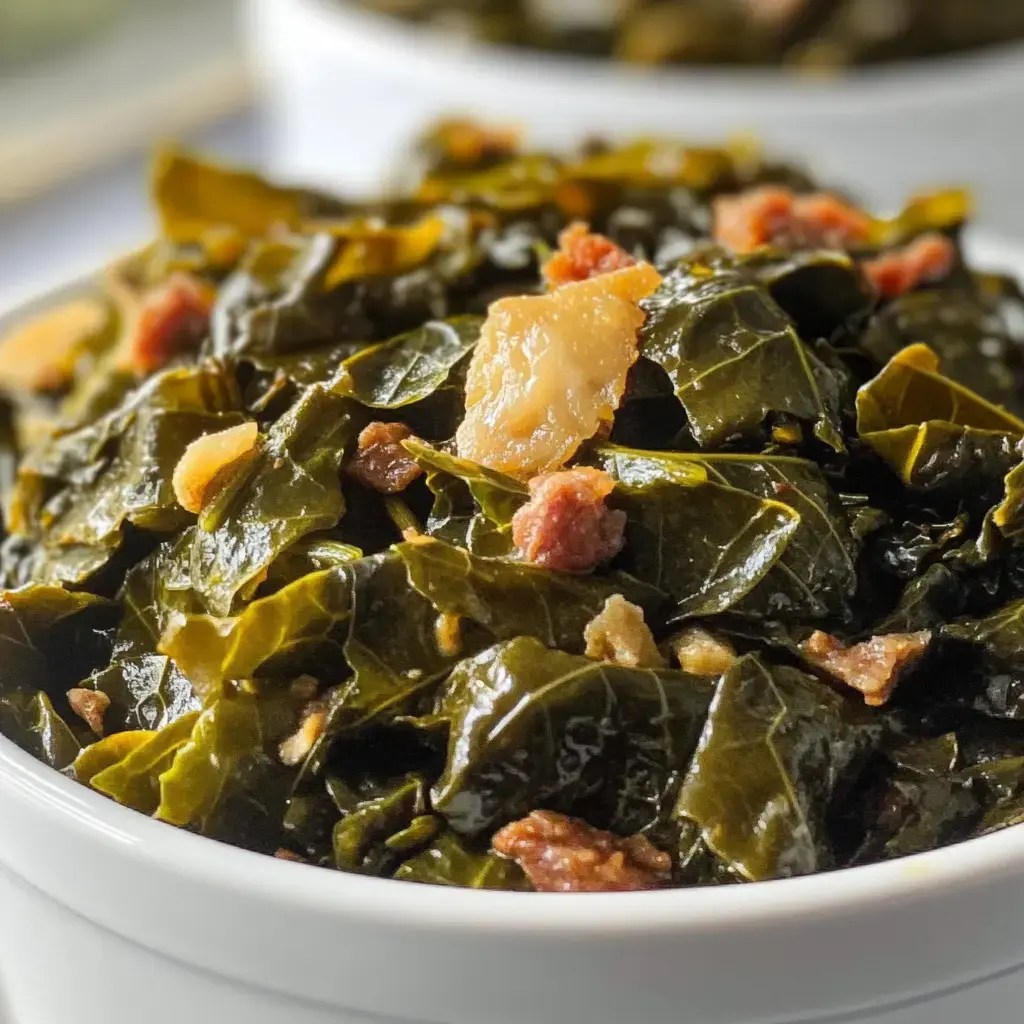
775 215
873 667
90 706
565 525
562 854
173 318
925 260
582 255
381 463
618 633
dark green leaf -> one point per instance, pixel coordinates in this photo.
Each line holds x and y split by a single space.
410 367
764 535
449 861
32 723
787 743
291 489
531 727
932 432
733 356
507 599
964 329
473 505
361 836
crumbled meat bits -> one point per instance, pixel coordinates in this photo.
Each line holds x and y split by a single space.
925 260
774 215
90 706
172 319
566 524
381 463
356 530
582 255
873 667
562 854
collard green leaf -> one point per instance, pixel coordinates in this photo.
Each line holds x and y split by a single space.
932 432
47 638
734 537
966 331
532 727
31 721
449 861
135 780
196 200
765 535
147 691
291 489
733 356
823 292
473 505
923 803
210 650
273 305
787 743
389 665
987 675
117 470
225 733
361 837
507 599
329 285
408 368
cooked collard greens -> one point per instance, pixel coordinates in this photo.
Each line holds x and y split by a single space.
644 517
805 35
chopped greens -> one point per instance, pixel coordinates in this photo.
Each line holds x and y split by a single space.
447 540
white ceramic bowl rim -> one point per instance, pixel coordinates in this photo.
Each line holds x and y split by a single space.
927 82
87 816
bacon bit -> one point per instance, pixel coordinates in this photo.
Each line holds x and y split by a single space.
381 463
701 653
925 260
562 854
294 749
448 635
873 667
582 255
208 461
283 854
90 706
565 524
173 318
775 215
618 633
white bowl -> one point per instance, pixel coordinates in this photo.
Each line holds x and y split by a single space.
346 89
109 917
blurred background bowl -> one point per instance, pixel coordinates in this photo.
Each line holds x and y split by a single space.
345 89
